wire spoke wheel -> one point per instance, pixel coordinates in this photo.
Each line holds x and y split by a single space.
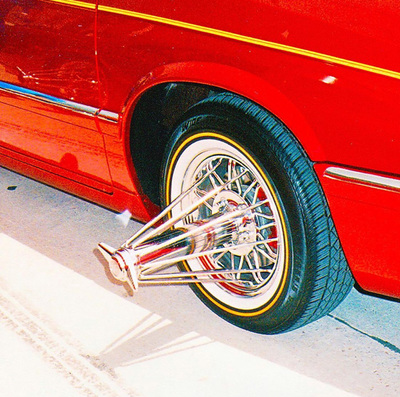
265 225
294 268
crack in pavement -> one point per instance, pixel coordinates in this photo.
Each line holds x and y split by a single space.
382 342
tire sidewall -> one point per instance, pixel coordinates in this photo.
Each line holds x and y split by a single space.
261 143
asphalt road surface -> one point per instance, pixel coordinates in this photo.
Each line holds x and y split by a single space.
67 330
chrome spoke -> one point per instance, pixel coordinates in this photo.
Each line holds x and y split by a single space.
238 185
188 277
215 251
163 213
222 226
221 221
173 220
157 264
258 266
217 177
265 216
230 173
269 249
249 189
212 180
254 266
265 255
256 194
265 227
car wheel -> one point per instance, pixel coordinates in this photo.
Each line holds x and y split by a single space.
296 268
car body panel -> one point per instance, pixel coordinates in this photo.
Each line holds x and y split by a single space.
47 59
160 49
367 218
330 70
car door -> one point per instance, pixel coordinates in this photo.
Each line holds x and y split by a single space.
49 89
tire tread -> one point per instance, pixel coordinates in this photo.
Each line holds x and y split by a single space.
331 278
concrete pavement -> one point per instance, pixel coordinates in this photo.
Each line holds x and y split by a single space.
66 327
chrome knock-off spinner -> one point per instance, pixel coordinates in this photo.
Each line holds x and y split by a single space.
246 231
229 227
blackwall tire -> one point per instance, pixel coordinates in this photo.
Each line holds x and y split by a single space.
303 272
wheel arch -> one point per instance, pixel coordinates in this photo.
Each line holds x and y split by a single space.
162 97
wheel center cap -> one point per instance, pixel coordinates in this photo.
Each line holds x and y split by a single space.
246 231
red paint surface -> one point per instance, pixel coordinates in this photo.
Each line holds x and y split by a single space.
367 220
340 115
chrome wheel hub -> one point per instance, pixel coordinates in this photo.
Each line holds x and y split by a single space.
223 224
246 232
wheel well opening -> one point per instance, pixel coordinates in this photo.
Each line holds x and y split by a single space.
154 118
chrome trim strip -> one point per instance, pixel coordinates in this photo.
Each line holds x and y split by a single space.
62 103
51 100
108 116
363 177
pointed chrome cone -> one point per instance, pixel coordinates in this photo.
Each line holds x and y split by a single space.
154 247
106 250
118 263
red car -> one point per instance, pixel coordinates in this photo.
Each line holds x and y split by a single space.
268 130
